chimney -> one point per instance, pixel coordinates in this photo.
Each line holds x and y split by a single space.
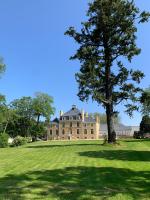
97 119
86 114
82 113
61 113
74 107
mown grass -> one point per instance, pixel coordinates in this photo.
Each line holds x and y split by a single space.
81 170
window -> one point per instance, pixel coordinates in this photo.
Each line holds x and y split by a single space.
74 118
85 131
92 138
78 137
92 131
70 124
63 132
56 132
85 137
92 125
78 131
50 132
78 124
63 125
85 125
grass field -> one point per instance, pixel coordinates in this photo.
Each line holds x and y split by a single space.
82 170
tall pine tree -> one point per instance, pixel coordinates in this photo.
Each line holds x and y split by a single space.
106 39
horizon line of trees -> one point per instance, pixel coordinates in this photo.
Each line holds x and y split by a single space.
23 116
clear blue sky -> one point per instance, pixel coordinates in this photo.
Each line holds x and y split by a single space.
36 52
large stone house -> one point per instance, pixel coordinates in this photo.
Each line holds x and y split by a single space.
74 125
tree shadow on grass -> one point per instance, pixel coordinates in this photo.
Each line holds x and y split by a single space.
76 183
124 155
61 145
138 140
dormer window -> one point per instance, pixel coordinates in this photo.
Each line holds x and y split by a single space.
74 107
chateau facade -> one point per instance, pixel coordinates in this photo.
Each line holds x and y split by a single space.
74 125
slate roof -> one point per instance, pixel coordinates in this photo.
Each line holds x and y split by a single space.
56 120
72 112
118 127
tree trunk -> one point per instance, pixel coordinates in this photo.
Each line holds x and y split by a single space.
110 124
38 120
5 127
37 124
108 87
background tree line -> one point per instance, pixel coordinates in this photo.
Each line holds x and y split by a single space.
27 116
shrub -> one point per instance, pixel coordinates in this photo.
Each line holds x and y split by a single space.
18 141
3 140
29 139
138 135
145 124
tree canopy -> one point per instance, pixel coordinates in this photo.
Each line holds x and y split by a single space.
106 39
42 106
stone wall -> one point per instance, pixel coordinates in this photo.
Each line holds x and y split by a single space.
73 130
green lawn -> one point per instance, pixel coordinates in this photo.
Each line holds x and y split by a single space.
84 170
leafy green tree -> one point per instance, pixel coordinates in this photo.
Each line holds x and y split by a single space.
2 111
6 114
9 116
38 131
3 140
2 65
2 108
145 125
24 116
106 39
42 106
145 101
28 110
23 107
2 97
